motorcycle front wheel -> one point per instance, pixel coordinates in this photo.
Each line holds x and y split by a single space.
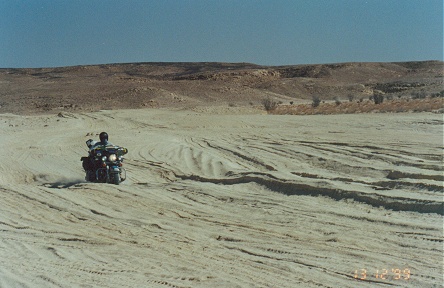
116 179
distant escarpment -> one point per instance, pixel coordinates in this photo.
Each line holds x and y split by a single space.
139 85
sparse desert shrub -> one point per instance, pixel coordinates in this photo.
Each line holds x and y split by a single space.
269 104
351 97
378 97
316 101
438 94
419 94
337 101
405 105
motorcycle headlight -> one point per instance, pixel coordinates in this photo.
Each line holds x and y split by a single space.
112 157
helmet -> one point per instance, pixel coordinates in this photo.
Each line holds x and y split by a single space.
103 137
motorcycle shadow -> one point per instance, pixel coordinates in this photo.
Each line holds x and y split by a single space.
63 183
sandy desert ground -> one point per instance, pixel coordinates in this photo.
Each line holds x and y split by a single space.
233 199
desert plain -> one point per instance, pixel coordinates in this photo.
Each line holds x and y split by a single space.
220 196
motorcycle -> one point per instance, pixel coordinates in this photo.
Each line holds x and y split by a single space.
104 165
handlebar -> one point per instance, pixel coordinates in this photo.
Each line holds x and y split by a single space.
113 149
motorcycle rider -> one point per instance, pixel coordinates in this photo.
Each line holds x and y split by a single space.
103 140
88 163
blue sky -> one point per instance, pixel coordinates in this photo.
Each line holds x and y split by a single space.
52 33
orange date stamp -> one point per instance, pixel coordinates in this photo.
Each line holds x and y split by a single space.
398 274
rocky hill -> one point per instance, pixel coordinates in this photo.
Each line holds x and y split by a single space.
138 85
